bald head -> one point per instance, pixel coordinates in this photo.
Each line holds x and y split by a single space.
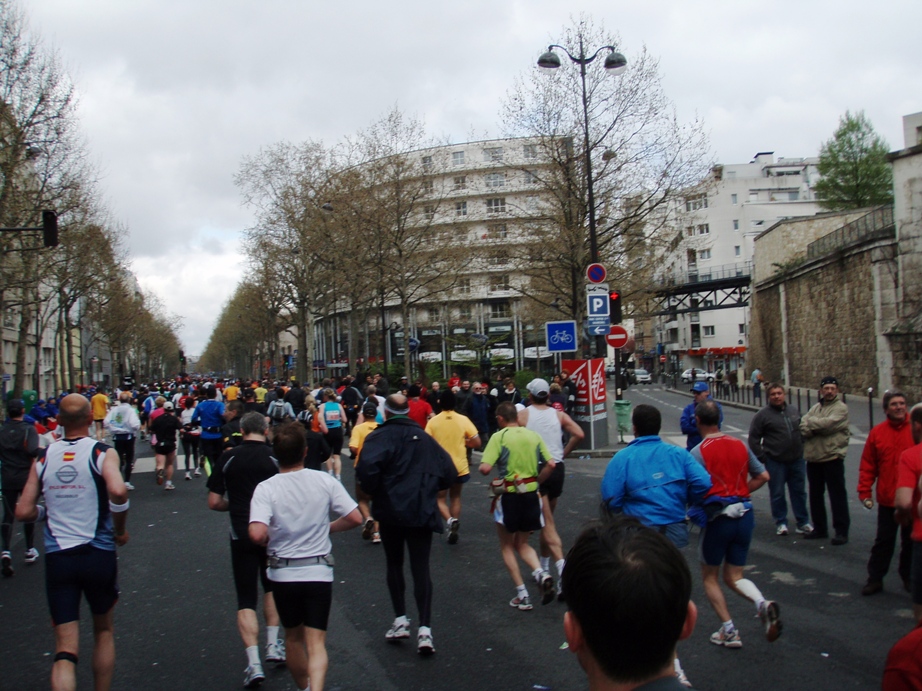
395 404
74 414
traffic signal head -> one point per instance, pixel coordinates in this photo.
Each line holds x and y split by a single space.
614 306
50 228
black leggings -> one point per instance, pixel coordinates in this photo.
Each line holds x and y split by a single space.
419 544
211 449
10 497
190 448
125 450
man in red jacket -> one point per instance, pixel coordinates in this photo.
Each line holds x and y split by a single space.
879 462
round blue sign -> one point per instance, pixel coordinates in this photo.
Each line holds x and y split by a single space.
596 273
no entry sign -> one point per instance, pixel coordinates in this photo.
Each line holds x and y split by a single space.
596 273
617 337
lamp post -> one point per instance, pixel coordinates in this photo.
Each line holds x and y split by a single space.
615 64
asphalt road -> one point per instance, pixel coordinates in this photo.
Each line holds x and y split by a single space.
175 621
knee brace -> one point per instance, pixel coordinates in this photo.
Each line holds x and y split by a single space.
70 657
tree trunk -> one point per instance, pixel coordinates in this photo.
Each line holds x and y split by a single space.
25 319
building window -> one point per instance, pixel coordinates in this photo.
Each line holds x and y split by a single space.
708 330
530 151
757 224
531 178
460 208
699 201
459 183
498 259
702 229
495 179
429 212
531 203
427 186
500 310
704 254
497 205
499 282
464 286
733 199
427 162
736 224
690 231
465 313
753 196
497 231
493 155
434 314
457 158
793 196
737 250
742 328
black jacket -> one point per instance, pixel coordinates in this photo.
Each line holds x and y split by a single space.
18 448
775 434
403 469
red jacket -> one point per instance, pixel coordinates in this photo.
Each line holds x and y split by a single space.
880 459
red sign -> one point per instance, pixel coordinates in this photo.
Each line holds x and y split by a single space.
662 358
589 377
596 273
617 337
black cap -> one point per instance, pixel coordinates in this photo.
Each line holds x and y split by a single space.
369 410
829 380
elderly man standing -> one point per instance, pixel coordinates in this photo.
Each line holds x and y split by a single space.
825 432
880 463
774 438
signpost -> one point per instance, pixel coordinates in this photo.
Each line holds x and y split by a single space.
597 309
596 273
561 336
413 344
617 337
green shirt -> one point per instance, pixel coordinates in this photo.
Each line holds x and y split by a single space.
516 451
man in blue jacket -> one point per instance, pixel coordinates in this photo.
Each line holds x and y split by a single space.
688 423
403 469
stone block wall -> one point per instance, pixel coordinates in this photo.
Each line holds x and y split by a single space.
907 364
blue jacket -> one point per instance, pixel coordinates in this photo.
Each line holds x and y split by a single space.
690 425
210 415
653 481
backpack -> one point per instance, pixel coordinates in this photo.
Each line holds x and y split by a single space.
277 411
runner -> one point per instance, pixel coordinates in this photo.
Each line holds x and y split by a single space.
333 416
100 403
18 449
370 527
164 429
290 515
516 453
191 432
210 415
236 475
85 520
456 434
123 424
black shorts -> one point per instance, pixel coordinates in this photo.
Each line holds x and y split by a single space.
915 578
83 570
461 479
553 486
164 449
519 513
334 437
248 562
303 602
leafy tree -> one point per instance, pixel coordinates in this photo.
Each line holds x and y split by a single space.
854 167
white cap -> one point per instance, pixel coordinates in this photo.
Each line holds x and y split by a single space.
538 387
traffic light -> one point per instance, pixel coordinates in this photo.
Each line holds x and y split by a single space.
182 357
614 306
50 228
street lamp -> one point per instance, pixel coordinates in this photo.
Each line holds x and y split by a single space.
615 64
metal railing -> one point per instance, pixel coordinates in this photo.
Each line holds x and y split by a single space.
714 273
877 223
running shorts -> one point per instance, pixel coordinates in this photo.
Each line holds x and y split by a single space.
248 562
553 486
303 602
726 539
334 437
519 513
83 570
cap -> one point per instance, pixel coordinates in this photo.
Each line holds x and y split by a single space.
168 406
538 388
700 387
369 410
829 380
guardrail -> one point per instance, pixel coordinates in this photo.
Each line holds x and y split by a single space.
877 223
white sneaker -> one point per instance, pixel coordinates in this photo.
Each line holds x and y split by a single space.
397 632
129 486
424 645
275 652
31 555
197 473
188 475
782 529
253 676
804 529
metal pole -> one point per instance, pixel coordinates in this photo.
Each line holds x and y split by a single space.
870 408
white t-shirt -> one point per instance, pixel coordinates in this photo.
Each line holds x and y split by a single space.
296 506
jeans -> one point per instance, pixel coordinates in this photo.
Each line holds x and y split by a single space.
794 476
884 544
831 475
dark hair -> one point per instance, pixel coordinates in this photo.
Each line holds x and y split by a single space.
235 406
447 401
629 588
210 391
890 395
289 442
188 402
708 413
15 407
771 386
647 420
413 391
507 411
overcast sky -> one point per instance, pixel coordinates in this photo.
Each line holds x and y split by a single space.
174 93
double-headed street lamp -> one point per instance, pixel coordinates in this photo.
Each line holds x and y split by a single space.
615 64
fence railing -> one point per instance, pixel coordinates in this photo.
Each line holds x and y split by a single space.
877 223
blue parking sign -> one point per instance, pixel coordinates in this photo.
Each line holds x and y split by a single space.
561 336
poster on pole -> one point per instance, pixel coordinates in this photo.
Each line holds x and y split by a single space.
590 411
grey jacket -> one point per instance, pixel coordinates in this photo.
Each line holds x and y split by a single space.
825 431
775 433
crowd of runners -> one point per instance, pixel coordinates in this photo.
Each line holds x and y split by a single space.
411 448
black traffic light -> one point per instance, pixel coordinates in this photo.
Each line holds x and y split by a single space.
50 228
182 357
614 306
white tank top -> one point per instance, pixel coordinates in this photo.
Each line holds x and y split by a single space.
546 423
76 497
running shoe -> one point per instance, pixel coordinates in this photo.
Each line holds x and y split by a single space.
368 528
682 679
160 476
376 538
547 587
6 564
129 486
398 631
770 614
560 596
253 676
169 485
275 652
804 529
188 475
453 527
424 645
782 529
31 555
197 473
523 603
727 639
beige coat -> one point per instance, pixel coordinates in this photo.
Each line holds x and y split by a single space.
825 431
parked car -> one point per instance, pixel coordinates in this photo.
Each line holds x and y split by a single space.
641 376
610 371
700 375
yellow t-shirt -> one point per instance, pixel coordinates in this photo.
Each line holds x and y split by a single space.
100 403
260 394
451 430
357 438
230 393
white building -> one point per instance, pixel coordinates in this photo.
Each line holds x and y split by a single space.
717 227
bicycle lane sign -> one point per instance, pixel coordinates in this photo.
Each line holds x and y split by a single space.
561 336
